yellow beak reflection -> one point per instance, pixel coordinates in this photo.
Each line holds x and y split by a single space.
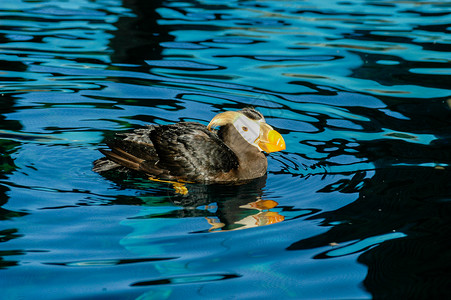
270 140
262 217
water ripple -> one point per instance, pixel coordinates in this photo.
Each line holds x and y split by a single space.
358 89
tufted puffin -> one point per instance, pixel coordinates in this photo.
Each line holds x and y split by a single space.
228 150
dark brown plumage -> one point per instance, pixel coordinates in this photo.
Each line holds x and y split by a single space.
189 151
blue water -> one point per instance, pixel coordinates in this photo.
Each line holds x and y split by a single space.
357 207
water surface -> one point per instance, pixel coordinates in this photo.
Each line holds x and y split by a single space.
356 207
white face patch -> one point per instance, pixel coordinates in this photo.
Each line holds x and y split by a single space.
249 129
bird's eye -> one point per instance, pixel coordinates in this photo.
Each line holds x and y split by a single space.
245 128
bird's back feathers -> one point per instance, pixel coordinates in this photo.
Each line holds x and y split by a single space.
183 151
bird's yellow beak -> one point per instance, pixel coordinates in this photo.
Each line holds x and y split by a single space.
270 140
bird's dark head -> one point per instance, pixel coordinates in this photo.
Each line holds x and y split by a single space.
252 114
251 125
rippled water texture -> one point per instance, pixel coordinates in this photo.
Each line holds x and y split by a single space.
357 206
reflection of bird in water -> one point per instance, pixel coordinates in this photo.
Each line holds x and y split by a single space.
189 151
226 208
257 216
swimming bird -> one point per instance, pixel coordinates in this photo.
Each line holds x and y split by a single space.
228 150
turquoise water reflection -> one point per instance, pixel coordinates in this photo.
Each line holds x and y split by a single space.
356 207
292 43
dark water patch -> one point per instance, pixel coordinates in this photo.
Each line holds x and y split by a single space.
187 280
111 262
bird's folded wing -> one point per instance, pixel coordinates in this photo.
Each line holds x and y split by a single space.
189 150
